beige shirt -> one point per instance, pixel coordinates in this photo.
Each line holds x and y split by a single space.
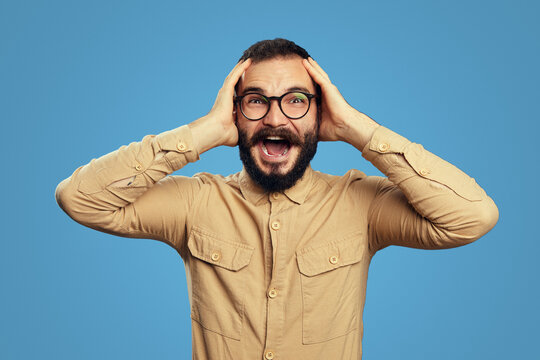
280 275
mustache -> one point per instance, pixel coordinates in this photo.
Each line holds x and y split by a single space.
285 134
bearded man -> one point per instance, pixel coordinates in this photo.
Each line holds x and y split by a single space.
277 255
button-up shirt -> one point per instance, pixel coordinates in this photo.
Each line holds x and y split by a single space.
278 275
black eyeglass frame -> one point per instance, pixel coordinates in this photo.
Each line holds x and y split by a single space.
238 100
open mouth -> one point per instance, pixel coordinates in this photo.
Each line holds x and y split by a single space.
275 146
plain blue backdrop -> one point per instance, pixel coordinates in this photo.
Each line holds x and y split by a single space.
78 79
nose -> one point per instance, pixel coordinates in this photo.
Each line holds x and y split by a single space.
275 118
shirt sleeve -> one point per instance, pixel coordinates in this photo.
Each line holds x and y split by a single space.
425 202
153 205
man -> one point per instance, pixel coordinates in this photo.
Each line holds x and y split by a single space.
277 255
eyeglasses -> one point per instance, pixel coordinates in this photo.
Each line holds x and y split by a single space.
293 104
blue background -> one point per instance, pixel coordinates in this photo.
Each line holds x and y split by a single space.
80 79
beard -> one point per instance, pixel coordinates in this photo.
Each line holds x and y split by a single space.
274 180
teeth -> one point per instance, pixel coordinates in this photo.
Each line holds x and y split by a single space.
274 138
266 151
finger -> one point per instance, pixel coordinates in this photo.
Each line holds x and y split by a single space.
318 67
234 76
315 74
238 70
235 67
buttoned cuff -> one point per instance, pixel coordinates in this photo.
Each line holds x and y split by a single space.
384 142
179 145
400 159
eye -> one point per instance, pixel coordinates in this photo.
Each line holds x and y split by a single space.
296 98
255 99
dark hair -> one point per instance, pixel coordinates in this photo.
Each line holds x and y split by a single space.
270 49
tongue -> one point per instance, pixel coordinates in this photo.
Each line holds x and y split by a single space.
275 147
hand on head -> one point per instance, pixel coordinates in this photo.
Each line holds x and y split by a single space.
334 110
218 126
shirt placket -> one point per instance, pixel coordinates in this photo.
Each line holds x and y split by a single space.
275 293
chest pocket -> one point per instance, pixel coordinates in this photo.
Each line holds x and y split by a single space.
217 272
331 287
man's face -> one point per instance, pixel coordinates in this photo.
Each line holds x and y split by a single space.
276 150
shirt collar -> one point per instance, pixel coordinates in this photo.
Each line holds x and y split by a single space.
254 193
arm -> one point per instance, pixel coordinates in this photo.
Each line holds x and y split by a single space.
118 192
127 193
426 202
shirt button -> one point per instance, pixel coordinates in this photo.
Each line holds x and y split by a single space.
383 147
272 293
181 146
276 225
215 256
333 259
424 172
275 195
138 167
269 355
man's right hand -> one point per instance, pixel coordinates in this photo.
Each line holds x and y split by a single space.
218 127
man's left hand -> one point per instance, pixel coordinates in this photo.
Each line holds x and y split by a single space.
339 121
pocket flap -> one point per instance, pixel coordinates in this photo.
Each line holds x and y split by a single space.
212 249
332 255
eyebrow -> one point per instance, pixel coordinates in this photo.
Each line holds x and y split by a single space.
260 90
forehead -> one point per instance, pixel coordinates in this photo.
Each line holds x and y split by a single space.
276 75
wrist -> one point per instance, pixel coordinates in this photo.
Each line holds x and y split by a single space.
205 134
360 130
